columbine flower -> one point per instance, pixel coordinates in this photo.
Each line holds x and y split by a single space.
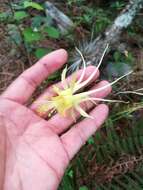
68 99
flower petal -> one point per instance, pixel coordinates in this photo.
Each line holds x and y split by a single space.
79 86
106 86
56 89
82 112
63 78
84 67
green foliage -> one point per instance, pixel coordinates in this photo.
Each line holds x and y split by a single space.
52 32
40 52
37 21
71 173
91 140
126 57
25 4
20 15
83 188
34 5
31 36
28 28
118 5
102 20
95 17
75 2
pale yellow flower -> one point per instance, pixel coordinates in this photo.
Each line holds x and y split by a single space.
68 98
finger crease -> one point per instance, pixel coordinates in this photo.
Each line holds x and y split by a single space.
33 83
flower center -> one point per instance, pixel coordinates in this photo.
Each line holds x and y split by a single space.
64 100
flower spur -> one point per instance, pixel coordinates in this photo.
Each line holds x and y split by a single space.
68 99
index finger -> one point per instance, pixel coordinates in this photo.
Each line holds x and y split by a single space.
23 87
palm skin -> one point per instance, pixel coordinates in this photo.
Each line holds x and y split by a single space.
35 152
39 155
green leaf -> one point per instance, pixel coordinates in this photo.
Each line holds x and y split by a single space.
37 21
52 32
40 52
33 5
19 15
71 173
91 140
83 188
31 36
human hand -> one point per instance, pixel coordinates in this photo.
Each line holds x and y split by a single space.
35 152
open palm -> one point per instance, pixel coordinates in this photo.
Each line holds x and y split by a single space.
36 151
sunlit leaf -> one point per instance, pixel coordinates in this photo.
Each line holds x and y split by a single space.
31 36
33 5
19 15
52 32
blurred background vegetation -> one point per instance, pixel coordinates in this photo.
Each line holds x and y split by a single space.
113 157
